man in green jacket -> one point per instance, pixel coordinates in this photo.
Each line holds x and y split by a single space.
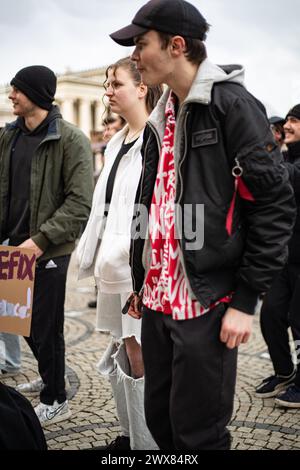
45 198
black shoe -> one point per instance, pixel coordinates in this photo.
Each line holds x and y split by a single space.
120 443
272 386
290 398
92 304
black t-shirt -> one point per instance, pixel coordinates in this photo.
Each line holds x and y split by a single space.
111 178
26 143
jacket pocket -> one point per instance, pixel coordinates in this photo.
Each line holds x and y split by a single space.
112 262
262 167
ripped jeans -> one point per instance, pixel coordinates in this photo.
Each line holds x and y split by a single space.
128 395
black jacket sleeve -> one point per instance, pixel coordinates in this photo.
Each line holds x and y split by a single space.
270 216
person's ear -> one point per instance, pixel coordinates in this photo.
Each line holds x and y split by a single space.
143 90
177 46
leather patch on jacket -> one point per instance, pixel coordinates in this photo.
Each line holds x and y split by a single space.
202 138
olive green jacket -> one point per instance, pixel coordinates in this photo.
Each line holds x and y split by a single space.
61 186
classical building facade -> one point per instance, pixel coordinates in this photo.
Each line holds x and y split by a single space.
79 96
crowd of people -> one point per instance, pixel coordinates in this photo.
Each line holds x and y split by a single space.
193 220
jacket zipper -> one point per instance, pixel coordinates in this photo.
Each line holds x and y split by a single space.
34 171
184 156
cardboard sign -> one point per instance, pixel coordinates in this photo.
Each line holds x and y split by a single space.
17 272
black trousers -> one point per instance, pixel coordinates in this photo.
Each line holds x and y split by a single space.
189 381
47 328
281 310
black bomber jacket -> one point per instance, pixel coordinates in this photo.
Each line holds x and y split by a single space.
219 127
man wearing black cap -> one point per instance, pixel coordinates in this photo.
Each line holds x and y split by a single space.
45 197
276 124
280 310
221 211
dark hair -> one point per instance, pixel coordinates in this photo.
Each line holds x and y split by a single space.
279 128
153 93
195 48
110 119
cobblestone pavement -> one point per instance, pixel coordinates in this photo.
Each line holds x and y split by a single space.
256 423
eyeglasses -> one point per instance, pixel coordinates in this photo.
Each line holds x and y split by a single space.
106 86
113 85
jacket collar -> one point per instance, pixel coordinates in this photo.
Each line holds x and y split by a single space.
53 132
209 74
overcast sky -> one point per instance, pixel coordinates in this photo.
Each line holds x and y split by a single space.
263 35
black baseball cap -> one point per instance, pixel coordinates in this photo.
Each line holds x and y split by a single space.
276 120
168 16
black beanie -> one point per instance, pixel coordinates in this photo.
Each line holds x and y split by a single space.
38 83
294 112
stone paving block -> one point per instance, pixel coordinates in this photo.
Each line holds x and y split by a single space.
245 430
73 442
286 430
294 419
249 441
241 446
98 443
94 420
57 447
85 445
89 439
51 443
88 433
291 437
269 421
260 437
275 438
239 435
62 439
101 431
266 432
73 436
272 445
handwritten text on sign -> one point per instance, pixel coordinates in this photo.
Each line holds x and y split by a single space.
16 265
17 272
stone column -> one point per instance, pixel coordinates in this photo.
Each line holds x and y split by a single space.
85 116
67 110
100 111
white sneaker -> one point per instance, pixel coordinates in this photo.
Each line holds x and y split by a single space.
36 386
50 414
